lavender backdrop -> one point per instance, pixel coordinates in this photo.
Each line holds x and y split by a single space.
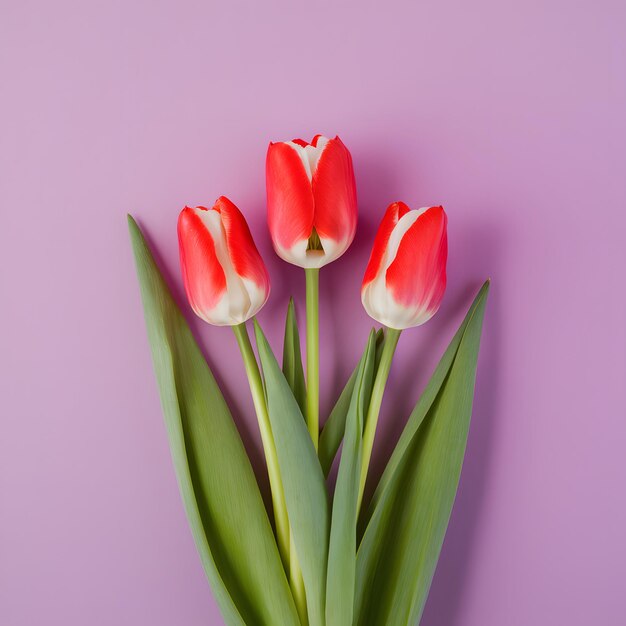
511 114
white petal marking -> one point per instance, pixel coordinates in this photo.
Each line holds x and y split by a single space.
234 305
377 298
310 155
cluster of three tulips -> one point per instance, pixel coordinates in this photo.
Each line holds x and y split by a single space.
312 217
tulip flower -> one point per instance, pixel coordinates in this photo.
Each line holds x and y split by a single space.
311 200
311 210
225 278
227 283
406 275
403 286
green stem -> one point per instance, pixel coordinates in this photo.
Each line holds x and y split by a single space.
260 406
312 353
378 390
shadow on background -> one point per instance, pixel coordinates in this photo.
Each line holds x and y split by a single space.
445 602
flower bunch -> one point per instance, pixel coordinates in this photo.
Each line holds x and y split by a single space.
327 559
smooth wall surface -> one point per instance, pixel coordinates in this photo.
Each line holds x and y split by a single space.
510 114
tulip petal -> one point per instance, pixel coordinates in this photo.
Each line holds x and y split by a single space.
233 307
242 250
309 153
417 275
203 276
289 196
393 214
334 191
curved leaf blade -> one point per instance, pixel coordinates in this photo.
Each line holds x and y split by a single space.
223 504
303 481
410 512
292 357
340 582
426 400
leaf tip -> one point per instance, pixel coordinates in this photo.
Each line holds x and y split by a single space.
136 236
487 286
484 290
134 230
258 333
291 310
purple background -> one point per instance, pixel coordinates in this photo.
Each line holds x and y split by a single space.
511 114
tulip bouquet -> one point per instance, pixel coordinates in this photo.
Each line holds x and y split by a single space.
321 555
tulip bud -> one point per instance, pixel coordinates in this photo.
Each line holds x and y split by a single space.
406 275
225 278
311 200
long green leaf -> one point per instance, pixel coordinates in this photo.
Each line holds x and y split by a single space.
292 358
303 481
411 508
340 582
426 399
335 426
221 497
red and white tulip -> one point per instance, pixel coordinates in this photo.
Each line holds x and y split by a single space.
405 278
225 278
311 200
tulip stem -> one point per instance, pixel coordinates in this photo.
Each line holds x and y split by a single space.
312 353
258 397
382 374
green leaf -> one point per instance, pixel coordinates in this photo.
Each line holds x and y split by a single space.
303 481
221 497
411 508
334 428
340 582
292 358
